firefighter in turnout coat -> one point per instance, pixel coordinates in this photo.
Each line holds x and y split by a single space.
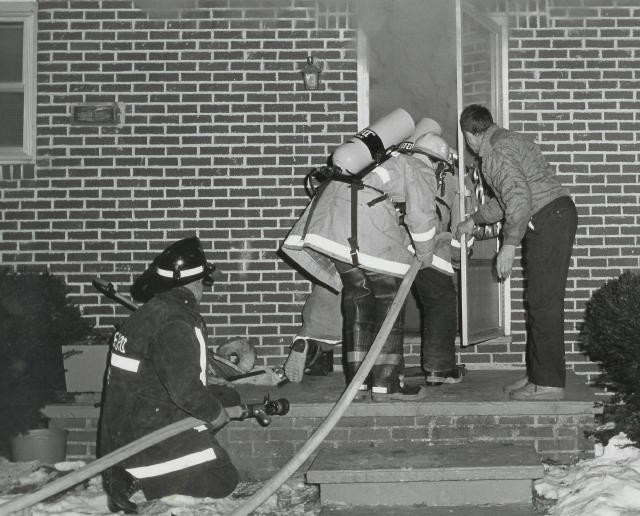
157 376
395 215
434 285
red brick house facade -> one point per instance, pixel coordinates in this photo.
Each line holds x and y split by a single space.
218 133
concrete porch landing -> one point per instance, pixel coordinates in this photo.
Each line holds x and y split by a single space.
473 411
317 394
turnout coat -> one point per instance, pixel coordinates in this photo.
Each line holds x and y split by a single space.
157 376
385 244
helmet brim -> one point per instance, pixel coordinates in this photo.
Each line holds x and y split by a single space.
150 283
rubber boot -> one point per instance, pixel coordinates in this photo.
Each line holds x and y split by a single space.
119 486
358 306
389 364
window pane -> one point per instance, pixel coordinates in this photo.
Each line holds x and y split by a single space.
11 119
10 52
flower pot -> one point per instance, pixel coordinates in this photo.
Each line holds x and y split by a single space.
84 366
48 445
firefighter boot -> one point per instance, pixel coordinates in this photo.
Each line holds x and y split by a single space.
358 308
119 486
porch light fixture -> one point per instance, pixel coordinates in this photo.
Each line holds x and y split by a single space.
311 74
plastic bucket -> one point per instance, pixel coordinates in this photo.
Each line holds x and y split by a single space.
48 445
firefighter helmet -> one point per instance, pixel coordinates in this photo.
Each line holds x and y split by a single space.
434 146
182 262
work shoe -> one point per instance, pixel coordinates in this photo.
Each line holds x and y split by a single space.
119 486
518 384
362 393
435 378
294 365
402 392
533 392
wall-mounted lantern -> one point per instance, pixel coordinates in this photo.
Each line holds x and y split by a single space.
311 74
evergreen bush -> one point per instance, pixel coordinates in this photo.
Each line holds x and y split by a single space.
36 320
610 335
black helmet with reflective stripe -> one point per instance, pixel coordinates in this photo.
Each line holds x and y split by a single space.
182 262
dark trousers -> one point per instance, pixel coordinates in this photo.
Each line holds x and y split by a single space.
547 255
438 307
366 299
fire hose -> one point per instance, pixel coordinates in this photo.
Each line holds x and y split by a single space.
260 496
261 412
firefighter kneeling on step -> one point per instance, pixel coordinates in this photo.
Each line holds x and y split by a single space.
157 376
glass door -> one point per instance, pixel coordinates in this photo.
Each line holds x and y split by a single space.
481 79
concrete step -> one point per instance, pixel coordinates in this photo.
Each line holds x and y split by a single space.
404 474
423 510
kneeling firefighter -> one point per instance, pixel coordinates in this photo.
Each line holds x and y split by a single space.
157 376
361 236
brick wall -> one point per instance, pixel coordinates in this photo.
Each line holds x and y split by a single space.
218 134
573 85
259 452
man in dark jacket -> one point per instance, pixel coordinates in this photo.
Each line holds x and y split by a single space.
157 376
537 208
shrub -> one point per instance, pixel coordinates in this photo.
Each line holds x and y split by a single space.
36 320
610 335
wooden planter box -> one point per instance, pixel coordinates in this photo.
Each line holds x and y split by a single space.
85 366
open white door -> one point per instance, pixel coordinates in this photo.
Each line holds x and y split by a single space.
481 59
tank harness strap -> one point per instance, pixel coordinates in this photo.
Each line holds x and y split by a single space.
353 239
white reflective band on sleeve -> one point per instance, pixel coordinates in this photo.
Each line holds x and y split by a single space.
183 274
424 237
200 428
203 356
193 459
530 224
442 264
383 173
126 363
455 243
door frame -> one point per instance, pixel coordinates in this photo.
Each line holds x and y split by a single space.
497 24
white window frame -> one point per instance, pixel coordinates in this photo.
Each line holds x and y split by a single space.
26 12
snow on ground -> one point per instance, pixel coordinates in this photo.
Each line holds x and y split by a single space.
294 498
608 485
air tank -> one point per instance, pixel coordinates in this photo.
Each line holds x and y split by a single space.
425 125
370 143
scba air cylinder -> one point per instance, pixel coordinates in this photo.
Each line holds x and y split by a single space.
425 125
370 143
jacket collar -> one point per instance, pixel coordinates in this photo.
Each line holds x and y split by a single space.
485 144
181 295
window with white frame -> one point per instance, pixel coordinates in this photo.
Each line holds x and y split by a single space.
18 40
